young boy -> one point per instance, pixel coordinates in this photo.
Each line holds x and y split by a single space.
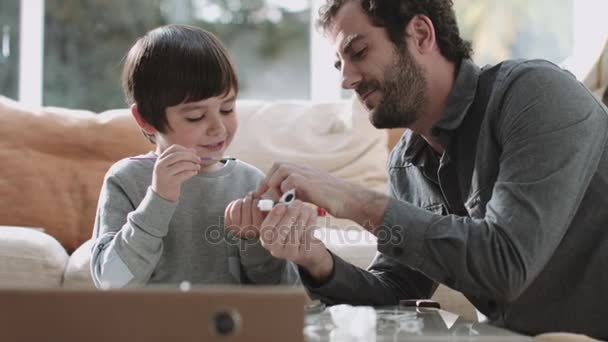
160 218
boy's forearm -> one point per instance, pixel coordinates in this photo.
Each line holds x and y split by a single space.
112 264
129 256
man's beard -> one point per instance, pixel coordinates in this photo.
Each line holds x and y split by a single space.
403 93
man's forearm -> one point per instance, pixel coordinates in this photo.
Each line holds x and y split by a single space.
321 268
367 208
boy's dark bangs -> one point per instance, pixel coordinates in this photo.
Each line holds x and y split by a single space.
184 71
198 74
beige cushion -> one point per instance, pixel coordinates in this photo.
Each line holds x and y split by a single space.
30 258
597 78
78 270
336 137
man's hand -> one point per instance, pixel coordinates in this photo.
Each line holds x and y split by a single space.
340 198
243 218
311 185
173 167
288 233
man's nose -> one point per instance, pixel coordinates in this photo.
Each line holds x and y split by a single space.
350 76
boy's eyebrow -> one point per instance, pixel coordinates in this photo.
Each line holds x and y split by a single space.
192 106
230 99
188 107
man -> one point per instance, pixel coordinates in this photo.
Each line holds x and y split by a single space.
498 188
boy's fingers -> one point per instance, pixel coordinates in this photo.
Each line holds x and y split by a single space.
256 214
246 214
172 150
228 214
180 167
177 157
236 212
182 176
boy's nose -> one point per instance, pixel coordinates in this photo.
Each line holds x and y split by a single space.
216 127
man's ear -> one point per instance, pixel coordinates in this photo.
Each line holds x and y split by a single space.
421 32
143 124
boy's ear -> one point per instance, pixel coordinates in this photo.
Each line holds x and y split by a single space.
143 124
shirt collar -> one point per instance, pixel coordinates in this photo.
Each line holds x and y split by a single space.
458 104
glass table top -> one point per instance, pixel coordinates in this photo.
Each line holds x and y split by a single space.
347 323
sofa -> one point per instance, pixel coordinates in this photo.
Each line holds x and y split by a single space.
54 161
596 78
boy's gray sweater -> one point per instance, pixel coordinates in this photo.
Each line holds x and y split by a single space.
141 238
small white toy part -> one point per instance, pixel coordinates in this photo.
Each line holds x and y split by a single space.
265 205
287 198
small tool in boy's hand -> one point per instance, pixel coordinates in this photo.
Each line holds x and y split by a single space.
174 166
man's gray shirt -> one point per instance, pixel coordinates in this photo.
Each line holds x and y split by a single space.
513 214
143 239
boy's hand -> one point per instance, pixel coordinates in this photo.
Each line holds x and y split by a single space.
173 167
243 217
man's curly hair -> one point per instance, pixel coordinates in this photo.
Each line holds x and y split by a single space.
394 15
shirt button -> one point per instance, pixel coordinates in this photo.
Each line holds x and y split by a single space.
435 131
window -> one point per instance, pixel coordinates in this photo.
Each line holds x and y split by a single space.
81 43
503 30
9 43
86 40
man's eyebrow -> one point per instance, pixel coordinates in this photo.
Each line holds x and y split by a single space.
346 46
350 40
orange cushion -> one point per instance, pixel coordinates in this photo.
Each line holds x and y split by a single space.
53 166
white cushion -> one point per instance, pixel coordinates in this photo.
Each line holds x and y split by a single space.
335 137
78 271
355 245
30 258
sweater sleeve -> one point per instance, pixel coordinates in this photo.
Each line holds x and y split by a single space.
128 242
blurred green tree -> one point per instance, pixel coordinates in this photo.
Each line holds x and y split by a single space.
86 40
